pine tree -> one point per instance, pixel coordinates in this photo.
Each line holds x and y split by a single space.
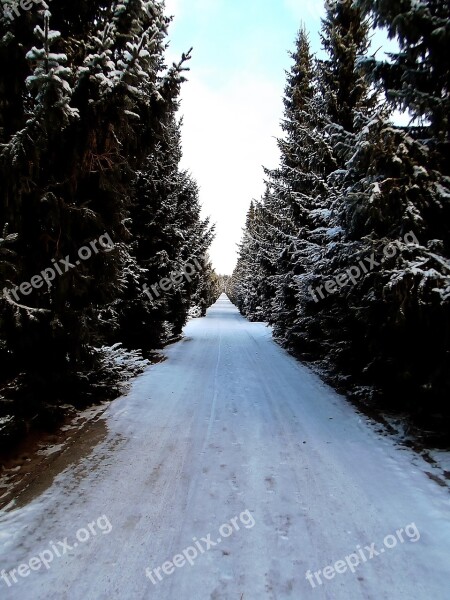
397 184
87 119
246 277
388 190
345 38
291 210
345 101
417 77
297 192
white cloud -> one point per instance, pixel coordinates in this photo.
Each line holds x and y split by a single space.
231 117
226 140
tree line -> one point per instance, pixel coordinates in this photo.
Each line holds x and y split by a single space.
90 147
347 253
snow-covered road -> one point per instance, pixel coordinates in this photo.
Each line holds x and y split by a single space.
230 430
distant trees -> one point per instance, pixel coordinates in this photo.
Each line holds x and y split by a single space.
352 185
90 143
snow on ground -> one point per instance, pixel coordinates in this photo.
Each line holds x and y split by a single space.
232 430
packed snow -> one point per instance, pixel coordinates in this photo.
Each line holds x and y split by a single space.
230 427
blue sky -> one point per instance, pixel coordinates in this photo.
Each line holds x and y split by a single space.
232 104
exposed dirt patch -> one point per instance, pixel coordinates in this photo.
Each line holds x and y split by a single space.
31 468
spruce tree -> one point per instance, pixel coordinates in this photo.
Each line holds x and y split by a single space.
417 77
345 101
390 193
398 184
247 276
87 118
345 38
296 188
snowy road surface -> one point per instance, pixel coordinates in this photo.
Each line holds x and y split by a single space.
232 439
